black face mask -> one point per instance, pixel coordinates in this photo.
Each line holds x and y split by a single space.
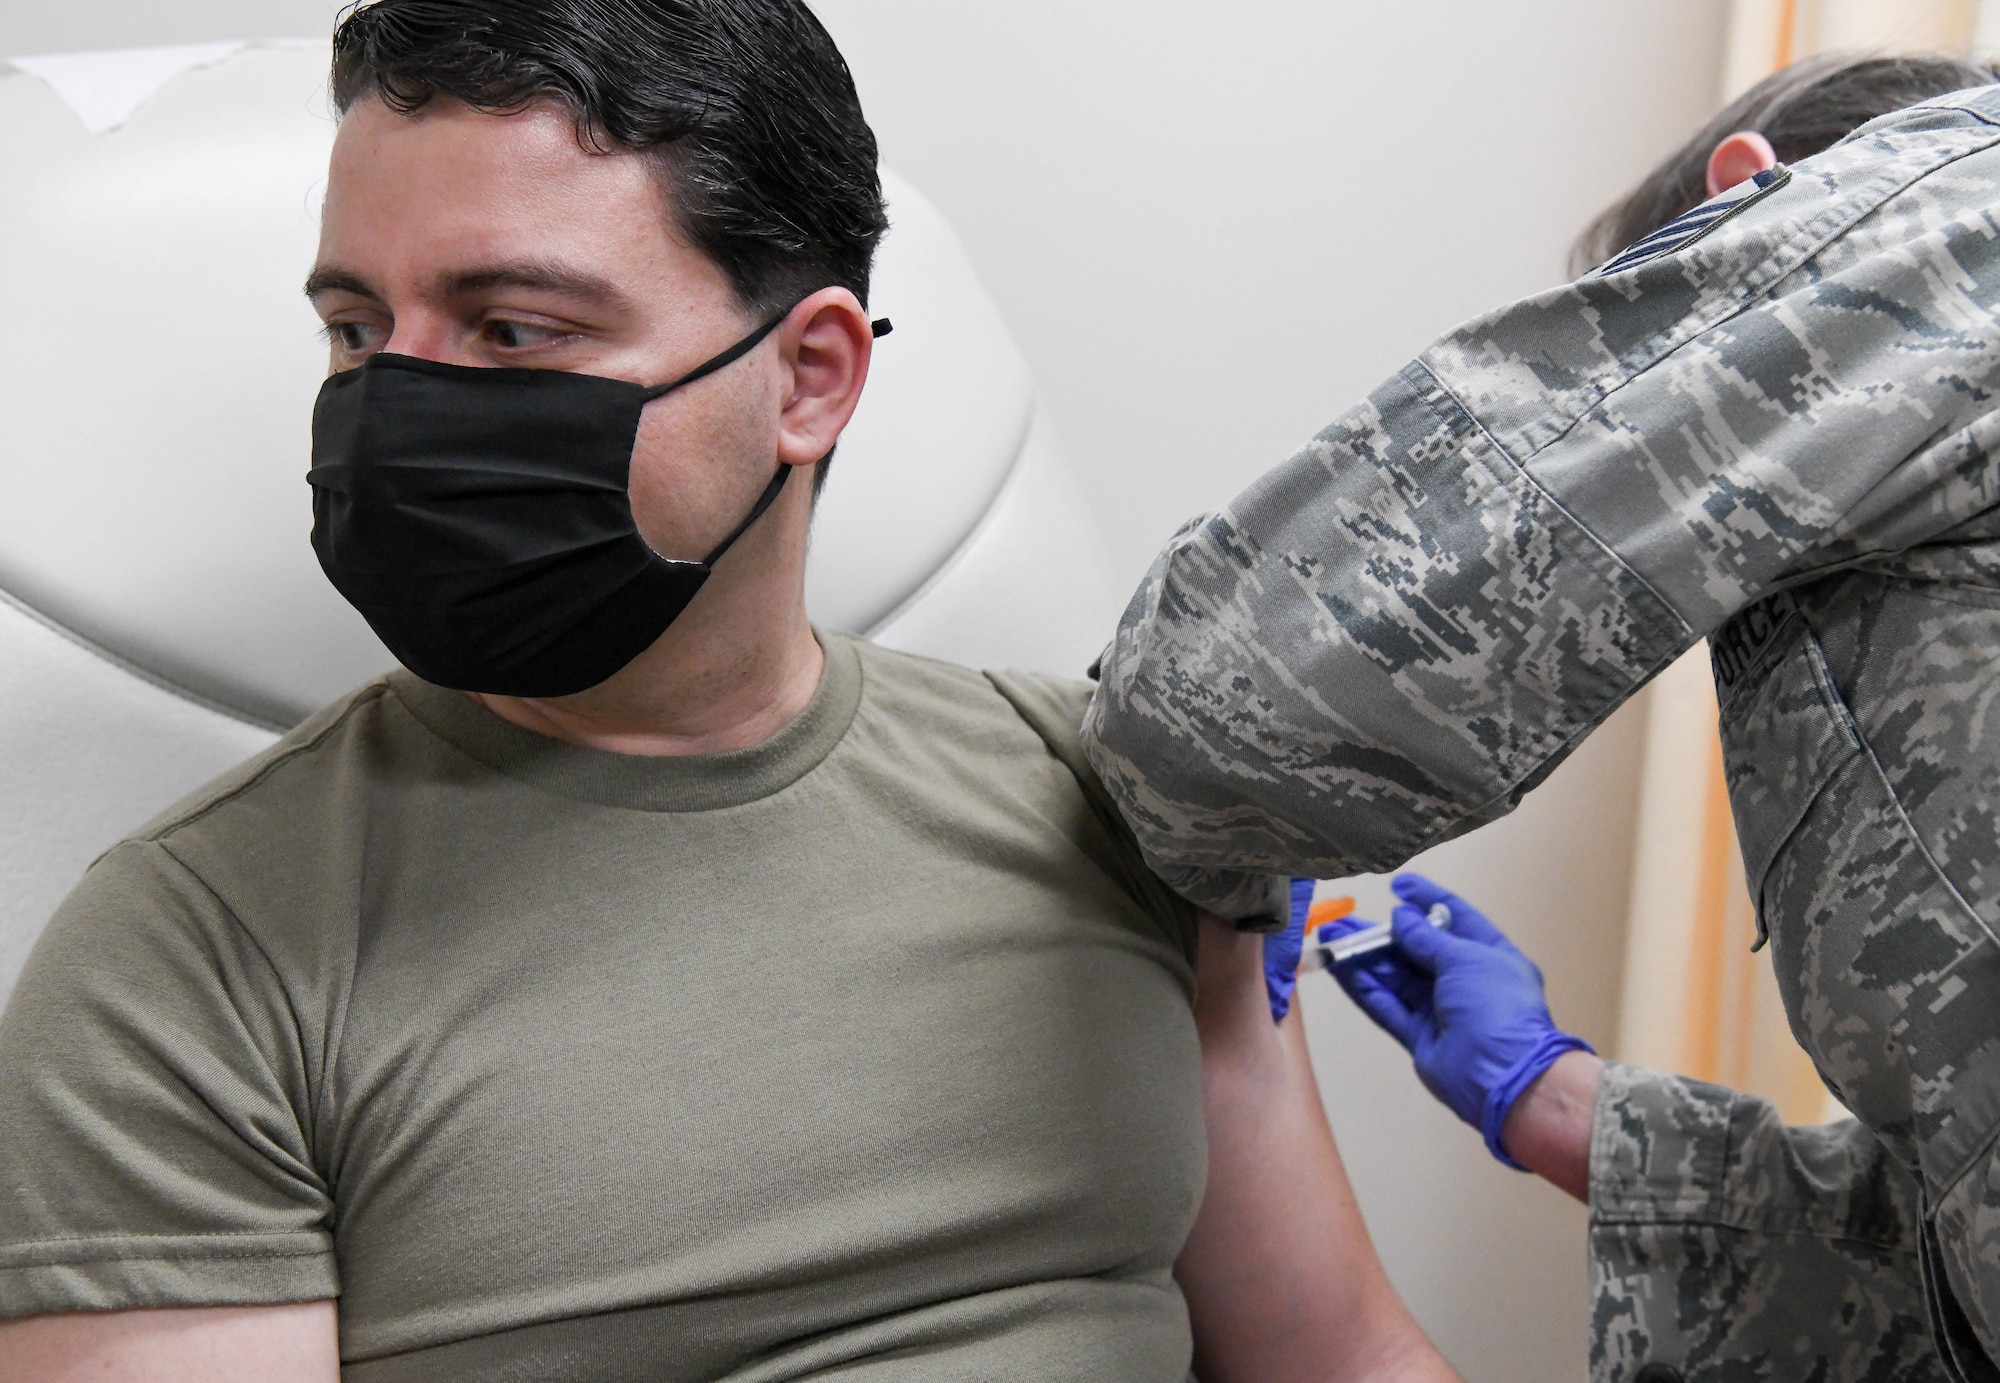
479 519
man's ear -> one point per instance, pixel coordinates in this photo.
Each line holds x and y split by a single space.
825 344
1738 158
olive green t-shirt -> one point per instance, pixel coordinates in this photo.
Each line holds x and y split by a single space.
866 1053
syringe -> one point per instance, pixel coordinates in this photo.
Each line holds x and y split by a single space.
1366 942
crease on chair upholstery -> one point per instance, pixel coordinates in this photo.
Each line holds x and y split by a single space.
144 674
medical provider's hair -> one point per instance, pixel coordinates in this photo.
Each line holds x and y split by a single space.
1803 109
746 107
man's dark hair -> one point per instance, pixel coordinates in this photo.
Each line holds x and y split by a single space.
746 106
1803 109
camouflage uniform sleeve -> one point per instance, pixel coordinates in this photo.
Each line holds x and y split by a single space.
1726 1245
1053 707
1394 635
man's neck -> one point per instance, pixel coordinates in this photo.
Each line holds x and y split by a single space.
738 665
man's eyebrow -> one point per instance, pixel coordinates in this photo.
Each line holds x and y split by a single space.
546 278
331 278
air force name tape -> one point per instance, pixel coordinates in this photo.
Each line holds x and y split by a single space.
1683 231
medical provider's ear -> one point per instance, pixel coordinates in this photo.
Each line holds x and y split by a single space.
1738 158
824 346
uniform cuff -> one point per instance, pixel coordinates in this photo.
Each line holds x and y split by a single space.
1255 902
1658 1146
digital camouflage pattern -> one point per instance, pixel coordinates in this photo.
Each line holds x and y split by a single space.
1778 434
1691 1185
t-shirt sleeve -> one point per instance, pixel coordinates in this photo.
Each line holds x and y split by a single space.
1394 635
154 1110
1255 901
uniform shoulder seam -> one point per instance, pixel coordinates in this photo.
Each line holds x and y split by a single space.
1553 502
367 696
309 1115
1814 235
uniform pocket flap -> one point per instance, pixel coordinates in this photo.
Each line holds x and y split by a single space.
1785 729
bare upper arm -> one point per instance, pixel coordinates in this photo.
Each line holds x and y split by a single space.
1281 1279
296 1343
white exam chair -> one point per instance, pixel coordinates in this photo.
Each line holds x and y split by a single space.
161 614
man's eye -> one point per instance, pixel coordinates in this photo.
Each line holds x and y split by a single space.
353 337
511 335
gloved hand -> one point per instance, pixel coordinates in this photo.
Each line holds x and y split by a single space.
1283 950
1463 1001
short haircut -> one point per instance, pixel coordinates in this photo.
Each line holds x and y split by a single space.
1803 109
746 106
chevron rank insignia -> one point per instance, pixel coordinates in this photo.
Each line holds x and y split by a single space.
1683 231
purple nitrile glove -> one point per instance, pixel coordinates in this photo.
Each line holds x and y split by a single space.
1465 1003
1282 951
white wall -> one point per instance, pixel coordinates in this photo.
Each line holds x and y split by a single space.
1212 227
30 27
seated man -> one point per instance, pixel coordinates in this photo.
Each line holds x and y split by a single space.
456 1036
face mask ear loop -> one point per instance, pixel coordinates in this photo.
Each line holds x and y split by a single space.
764 501
714 363
880 327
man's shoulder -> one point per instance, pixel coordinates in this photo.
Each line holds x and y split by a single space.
261 858
952 697
302 753
1042 713
1018 735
